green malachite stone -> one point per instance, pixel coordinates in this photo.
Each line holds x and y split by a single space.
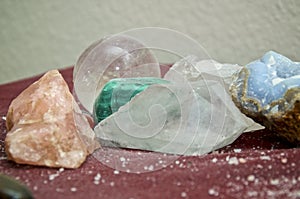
117 92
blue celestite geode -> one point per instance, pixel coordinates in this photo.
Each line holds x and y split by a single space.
268 91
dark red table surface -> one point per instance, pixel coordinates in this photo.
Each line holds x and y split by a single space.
257 165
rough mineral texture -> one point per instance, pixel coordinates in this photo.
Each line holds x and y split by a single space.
46 127
192 115
117 92
268 90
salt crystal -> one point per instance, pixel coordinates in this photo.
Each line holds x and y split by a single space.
252 193
214 160
213 192
122 159
265 157
284 160
274 181
116 172
237 150
53 176
150 168
97 177
73 189
251 178
242 160
233 160
183 194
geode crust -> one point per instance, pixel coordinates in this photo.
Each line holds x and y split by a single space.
46 127
277 107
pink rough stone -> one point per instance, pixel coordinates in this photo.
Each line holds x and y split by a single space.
46 127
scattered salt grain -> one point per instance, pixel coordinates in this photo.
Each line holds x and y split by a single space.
183 194
53 176
116 172
122 159
73 189
150 168
284 160
97 178
251 178
214 160
265 157
213 192
274 181
233 160
237 150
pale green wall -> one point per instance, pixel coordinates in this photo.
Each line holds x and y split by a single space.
38 35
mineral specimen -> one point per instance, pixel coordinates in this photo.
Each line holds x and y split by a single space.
116 56
192 115
268 90
46 127
117 92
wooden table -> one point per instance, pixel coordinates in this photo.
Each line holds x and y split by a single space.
256 165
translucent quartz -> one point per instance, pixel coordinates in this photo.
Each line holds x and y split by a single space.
117 92
192 115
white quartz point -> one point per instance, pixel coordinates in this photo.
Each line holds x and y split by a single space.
193 115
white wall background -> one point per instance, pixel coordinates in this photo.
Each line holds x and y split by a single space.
38 35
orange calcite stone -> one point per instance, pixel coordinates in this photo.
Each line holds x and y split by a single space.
46 127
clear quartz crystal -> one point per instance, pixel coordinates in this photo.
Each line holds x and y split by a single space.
192 115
